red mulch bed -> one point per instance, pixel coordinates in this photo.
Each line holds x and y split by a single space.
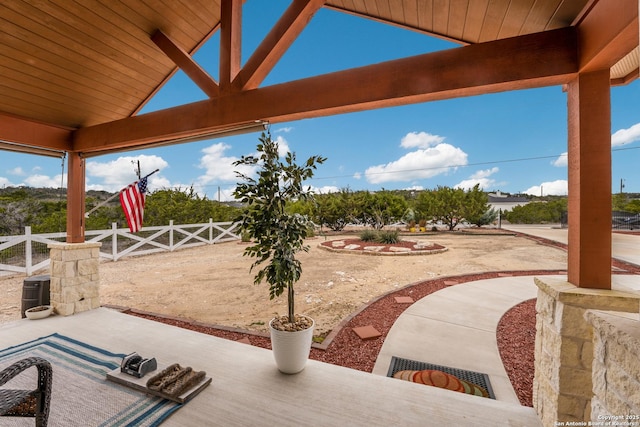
347 349
516 336
515 333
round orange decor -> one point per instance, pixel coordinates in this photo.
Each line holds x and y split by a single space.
438 379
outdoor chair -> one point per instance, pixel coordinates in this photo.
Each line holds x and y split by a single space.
27 403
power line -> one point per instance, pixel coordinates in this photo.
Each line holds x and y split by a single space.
492 162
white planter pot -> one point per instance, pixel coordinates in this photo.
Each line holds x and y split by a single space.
291 349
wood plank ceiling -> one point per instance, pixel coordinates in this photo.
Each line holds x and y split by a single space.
79 63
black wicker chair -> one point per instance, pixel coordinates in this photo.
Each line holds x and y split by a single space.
27 403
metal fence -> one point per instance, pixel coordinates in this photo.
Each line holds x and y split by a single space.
625 221
29 253
619 220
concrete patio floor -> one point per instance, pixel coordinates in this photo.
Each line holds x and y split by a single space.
454 327
248 390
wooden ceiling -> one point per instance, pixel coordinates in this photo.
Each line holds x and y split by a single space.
75 64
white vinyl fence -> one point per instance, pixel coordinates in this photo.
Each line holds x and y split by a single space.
28 253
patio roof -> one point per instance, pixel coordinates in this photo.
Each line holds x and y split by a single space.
75 73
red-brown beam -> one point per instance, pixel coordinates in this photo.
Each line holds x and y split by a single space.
607 33
276 43
536 60
28 133
230 42
186 63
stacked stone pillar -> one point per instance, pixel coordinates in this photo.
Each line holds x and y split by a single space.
616 368
75 279
563 388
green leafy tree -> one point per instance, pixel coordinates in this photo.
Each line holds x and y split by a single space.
184 206
537 212
424 206
380 208
476 207
449 206
336 210
278 234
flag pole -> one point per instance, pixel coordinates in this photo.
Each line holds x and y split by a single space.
95 208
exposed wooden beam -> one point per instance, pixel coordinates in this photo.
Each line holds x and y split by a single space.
230 42
535 60
276 43
607 33
626 79
28 136
186 63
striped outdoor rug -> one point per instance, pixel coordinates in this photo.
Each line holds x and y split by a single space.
82 396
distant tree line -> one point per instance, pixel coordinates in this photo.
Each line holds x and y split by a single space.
449 206
45 209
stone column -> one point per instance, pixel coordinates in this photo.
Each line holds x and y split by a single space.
75 280
616 367
562 387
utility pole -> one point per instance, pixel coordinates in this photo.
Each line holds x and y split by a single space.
137 170
621 185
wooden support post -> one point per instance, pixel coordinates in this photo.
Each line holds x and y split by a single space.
589 102
75 198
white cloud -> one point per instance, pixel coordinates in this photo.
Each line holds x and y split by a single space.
16 171
562 160
357 175
286 129
554 188
219 167
626 136
326 189
420 140
4 182
117 174
283 146
420 164
480 177
44 181
414 188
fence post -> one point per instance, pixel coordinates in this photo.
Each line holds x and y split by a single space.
28 266
210 230
171 235
114 241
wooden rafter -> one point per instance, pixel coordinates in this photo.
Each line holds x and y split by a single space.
186 63
276 43
542 59
230 42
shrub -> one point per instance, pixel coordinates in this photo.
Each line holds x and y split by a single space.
388 236
368 236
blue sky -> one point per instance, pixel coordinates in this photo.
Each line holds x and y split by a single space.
513 142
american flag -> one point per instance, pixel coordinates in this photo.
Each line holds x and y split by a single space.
132 201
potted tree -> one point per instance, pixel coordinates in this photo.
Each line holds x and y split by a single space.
277 237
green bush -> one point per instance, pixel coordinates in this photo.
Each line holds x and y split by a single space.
368 236
388 236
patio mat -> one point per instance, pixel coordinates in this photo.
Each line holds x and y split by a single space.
81 394
478 378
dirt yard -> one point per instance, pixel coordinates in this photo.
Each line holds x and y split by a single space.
212 284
